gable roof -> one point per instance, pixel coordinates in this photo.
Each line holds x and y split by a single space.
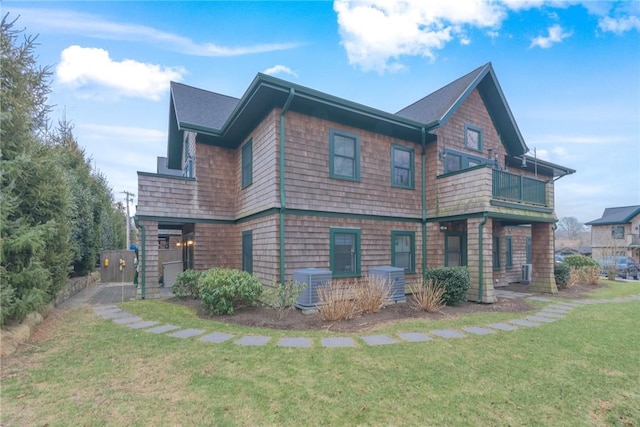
435 109
200 107
619 215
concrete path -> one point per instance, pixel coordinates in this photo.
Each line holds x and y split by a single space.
106 294
556 310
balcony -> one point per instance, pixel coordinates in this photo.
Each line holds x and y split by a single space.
519 188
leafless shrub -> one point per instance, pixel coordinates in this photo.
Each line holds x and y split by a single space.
427 296
336 300
588 275
372 293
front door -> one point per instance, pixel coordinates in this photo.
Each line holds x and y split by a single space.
455 249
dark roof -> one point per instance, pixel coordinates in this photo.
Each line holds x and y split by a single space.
200 107
435 109
619 215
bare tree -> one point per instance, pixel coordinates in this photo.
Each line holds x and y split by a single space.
571 226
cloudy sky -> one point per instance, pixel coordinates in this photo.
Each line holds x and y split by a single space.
570 71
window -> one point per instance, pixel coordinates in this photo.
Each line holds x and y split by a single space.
508 251
403 249
247 251
457 160
345 252
247 164
402 172
528 249
473 137
344 156
617 232
455 244
496 252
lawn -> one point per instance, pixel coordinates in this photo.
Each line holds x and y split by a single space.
581 370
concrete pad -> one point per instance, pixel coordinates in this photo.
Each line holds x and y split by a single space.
295 342
162 329
378 340
541 299
477 330
187 333
141 325
216 337
124 320
253 340
541 319
116 315
414 337
502 326
545 313
522 322
338 342
448 333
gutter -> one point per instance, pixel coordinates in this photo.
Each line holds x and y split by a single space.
143 252
481 256
423 166
283 199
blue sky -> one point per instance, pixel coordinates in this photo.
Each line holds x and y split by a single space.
570 71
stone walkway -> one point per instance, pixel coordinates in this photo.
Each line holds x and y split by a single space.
554 311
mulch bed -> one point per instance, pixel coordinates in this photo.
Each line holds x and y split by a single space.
266 317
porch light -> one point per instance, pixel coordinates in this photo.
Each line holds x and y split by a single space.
178 244
443 228
189 242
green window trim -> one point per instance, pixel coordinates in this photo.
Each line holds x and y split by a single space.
400 170
528 250
617 232
457 161
508 251
247 164
337 255
395 234
247 251
344 157
470 132
496 253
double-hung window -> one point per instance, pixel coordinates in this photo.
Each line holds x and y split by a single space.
345 252
247 164
617 232
402 171
344 156
403 250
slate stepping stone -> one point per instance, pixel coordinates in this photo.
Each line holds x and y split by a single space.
216 337
545 313
294 342
541 319
567 304
414 337
378 340
448 333
541 299
562 307
105 308
253 340
522 322
187 333
477 330
556 310
124 320
502 326
162 329
141 325
116 315
335 342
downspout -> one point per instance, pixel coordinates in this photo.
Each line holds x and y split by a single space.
481 256
423 166
283 200
143 252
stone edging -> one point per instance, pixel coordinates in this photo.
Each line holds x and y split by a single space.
556 310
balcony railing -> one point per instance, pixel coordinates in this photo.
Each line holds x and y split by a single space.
519 188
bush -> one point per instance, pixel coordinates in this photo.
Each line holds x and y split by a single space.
588 275
455 281
186 284
336 300
283 296
220 288
372 293
562 274
580 261
427 295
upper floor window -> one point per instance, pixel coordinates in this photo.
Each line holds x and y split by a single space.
402 170
617 232
473 137
247 164
457 160
344 156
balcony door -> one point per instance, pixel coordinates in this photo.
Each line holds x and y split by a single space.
455 249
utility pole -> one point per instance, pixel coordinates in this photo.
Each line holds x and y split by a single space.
128 199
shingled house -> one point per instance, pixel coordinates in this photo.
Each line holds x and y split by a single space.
616 233
288 177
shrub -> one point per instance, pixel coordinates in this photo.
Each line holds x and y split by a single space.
336 300
219 288
580 261
427 295
455 281
562 274
372 293
589 275
186 284
283 296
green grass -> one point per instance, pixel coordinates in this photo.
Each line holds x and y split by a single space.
581 370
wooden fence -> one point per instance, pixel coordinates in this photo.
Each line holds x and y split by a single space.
110 266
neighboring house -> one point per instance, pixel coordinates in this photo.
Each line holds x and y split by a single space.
617 233
288 177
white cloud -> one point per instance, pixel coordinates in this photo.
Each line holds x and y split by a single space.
555 35
94 70
375 33
619 25
89 25
280 69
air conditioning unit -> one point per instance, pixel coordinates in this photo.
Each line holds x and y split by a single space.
525 277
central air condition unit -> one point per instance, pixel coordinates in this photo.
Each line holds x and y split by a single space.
311 279
525 277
